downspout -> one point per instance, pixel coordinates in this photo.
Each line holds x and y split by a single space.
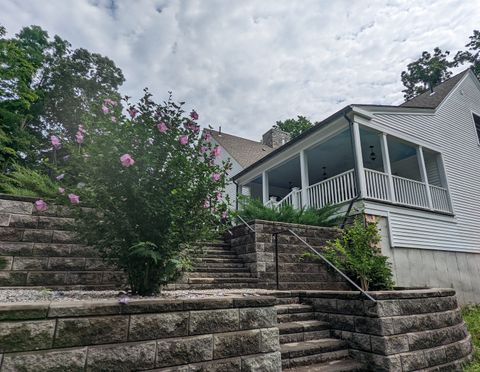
236 194
357 182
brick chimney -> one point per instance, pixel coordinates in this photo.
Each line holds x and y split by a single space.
275 138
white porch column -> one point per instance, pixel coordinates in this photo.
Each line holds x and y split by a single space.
387 167
359 160
304 178
423 173
265 189
295 203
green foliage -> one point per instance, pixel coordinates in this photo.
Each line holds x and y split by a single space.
27 182
253 209
471 316
294 126
429 70
472 54
149 214
356 253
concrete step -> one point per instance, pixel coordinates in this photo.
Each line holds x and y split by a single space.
287 300
207 269
212 286
293 308
219 274
219 252
221 280
303 331
213 265
215 244
295 317
219 256
304 353
341 365
222 260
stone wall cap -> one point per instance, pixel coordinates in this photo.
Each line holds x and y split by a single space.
42 310
293 225
384 295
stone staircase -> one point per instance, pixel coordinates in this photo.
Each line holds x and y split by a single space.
306 344
219 267
39 249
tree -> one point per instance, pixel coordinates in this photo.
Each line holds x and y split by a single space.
472 55
294 126
47 85
429 70
155 186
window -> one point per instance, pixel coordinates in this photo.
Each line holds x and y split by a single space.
476 119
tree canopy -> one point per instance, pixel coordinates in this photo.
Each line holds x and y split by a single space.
45 86
294 126
434 68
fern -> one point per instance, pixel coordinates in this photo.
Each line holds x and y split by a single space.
27 182
253 209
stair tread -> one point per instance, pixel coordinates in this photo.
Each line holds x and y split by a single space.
299 349
293 308
302 326
341 365
222 280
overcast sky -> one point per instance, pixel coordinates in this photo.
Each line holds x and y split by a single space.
246 64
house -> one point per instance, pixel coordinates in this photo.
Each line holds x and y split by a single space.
243 152
414 167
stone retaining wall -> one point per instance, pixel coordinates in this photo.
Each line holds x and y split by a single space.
295 271
40 249
228 334
404 331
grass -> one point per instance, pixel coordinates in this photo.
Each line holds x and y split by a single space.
471 315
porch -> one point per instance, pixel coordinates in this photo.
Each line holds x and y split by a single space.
356 162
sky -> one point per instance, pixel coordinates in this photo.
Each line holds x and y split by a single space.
244 64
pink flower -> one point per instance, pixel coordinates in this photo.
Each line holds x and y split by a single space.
183 139
79 137
61 190
74 199
126 160
109 102
194 115
207 136
60 177
40 205
206 204
113 119
55 142
132 111
218 196
203 149
224 214
162 127
216 177
216 151
105 109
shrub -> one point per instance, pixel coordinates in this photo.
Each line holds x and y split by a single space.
155 188
356 253
27 182
253 209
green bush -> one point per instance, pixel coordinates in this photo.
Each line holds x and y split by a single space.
27 182
253 209
471 315
155 187
356 253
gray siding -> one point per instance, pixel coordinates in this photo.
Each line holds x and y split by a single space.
452 130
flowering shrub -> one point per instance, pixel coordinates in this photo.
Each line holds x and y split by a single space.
151 177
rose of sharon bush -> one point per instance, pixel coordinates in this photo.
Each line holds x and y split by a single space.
154 191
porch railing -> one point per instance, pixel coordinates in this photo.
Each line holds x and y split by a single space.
377 185
335 190
342 188
410 192
440 199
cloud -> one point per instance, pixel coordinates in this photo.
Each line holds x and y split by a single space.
246 64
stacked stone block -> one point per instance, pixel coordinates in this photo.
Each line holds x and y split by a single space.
39 249
403 331
257 249
229 334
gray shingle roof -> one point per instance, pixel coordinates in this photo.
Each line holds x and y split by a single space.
244 151
429 100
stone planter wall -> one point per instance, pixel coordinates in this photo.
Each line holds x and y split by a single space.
404 331
295 272
228 334
40 249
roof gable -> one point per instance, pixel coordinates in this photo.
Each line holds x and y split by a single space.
433 99
244 151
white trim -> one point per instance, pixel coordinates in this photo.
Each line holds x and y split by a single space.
423 174
304 178
357 148
265 188
445 99
387 168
